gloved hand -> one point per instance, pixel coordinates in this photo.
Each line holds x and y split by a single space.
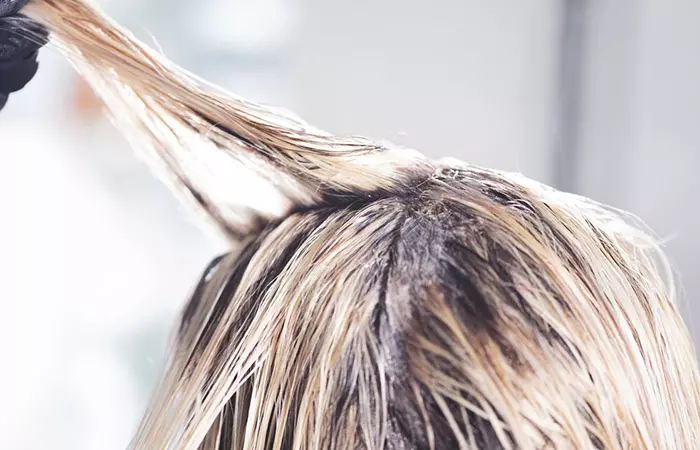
20 40
10 7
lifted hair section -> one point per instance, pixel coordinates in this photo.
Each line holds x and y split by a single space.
199 135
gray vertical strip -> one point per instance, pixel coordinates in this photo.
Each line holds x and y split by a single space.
570 94
3 100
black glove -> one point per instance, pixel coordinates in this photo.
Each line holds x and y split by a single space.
20 40
10 7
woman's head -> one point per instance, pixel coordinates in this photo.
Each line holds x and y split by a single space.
397 303
473 310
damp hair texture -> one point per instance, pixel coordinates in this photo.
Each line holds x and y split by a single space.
392 301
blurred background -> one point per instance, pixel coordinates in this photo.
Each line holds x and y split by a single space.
596 97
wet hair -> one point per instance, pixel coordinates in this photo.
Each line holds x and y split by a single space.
393 302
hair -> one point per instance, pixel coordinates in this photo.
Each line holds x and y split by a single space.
396 302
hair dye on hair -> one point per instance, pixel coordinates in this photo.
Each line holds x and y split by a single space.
395 302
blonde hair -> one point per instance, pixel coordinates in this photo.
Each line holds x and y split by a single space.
397 302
